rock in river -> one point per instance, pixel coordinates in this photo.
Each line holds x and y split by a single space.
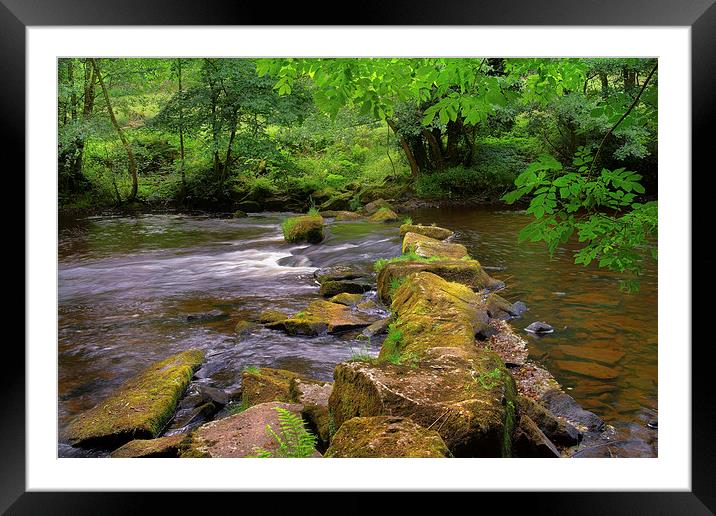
323 316
469 399
539 327
160 447
429 231
385 436
384 215
430 247
306 228
240 435
139 408
467 272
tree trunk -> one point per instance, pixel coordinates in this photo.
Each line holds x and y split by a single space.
181 136
436 151
414 168
605 84
125 143
232 135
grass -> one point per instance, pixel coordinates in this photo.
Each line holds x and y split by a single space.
252 369
408 221
410 256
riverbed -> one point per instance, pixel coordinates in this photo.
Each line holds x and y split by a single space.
129 286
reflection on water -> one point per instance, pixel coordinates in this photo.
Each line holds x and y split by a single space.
127 285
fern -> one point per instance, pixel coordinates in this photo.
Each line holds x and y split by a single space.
294 440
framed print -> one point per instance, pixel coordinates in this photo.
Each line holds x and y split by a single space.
370 247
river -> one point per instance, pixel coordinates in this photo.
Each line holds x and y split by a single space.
128 284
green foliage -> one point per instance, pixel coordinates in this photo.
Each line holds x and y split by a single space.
252 369
408 221
565 202
294 440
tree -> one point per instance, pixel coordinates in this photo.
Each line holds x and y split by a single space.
120 133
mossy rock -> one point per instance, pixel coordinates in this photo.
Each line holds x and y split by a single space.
348 215
384 215
306 228
240 214
160 447
386 437
328 213
243 328
557 430
268 384
430 247
347 299
332 288
372 207
323 316
432 312
340 272
271 316
499 308
468 398
314 395
435 232
140 408
239 435
468 272
339 202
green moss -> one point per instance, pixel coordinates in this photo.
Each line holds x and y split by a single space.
305 228
139 408
409 256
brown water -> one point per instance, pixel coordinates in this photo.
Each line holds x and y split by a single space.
127 285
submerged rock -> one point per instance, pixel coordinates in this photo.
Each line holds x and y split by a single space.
213 315
467 272
432 248
306 228
469 399
239 214
384 215
385 436
323 316
140 407
588 369
539 327
243 328
160 447
429 231
240 435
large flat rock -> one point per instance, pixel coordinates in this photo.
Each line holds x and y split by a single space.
323 316
140 407
469 399
435 232
240 435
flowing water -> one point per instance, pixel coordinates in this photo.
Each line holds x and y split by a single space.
128 285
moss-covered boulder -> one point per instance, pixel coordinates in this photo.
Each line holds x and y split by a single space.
468 398
244 328
341 272
306 228
338 202
140 407
384 215
323 316
348 215
435 232
467 272
386 436
240 435
346 299
432 312
160 447
270 316
372 207
240 214
261 385
431 247
334 287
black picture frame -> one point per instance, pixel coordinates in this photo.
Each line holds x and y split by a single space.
700 15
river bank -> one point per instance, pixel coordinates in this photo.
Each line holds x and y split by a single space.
166 280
